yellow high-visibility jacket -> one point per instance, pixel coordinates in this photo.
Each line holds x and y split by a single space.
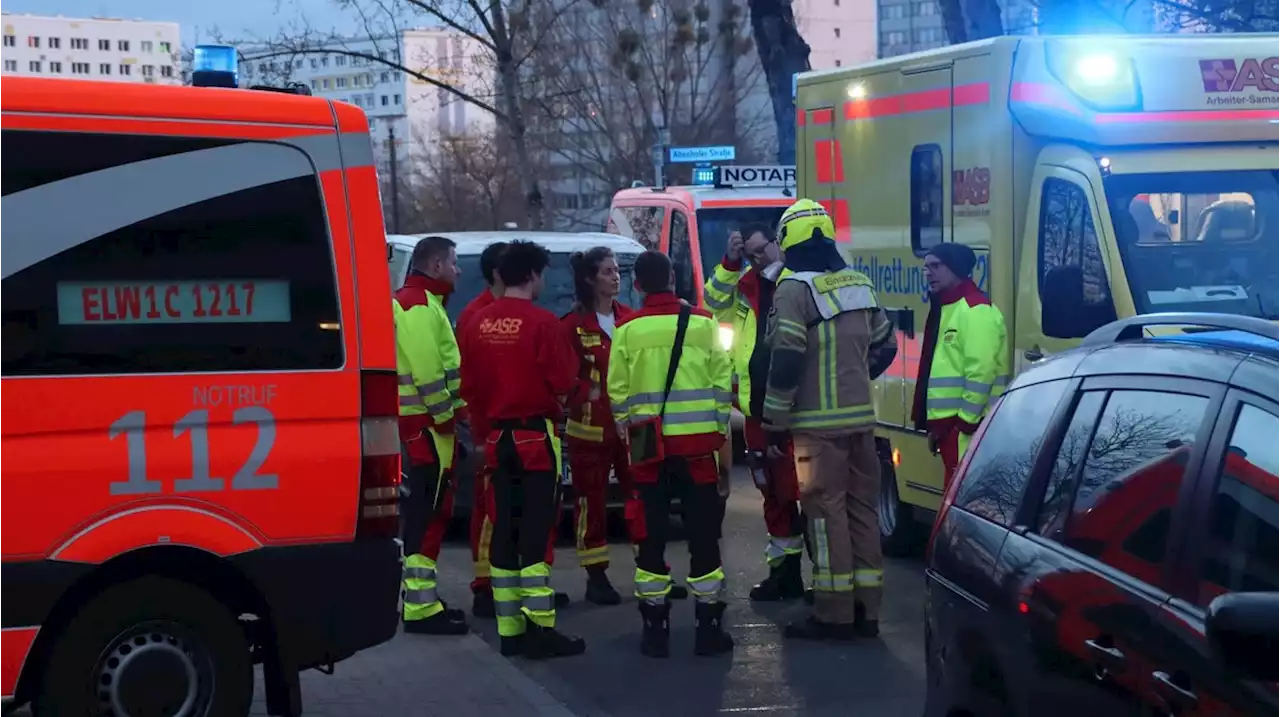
426 353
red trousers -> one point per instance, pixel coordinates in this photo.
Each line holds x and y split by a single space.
781 491
952 443
428 508
590 464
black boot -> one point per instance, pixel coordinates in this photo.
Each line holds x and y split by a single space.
808 596
511 646
655 641
811 628
453 613
863 627
482 604
544 642
562 601
678 592
437 624
599 590
784 582
710 637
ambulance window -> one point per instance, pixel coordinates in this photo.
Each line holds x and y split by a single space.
1074 296
644 224
681 256
926 197
141 254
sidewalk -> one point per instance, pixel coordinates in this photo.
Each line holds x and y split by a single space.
419 676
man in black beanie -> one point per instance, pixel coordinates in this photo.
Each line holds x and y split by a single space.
964 362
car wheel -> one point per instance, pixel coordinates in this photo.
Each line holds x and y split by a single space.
150 646
900 533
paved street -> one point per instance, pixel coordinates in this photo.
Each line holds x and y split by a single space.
765 676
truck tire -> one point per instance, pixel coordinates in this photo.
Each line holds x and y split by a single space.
901 535
152 646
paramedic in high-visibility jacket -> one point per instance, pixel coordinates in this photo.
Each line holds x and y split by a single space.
829 339
518 372
739 297
964 356
669 383
427 363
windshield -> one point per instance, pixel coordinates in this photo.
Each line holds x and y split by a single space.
714 226
557 291
1199 241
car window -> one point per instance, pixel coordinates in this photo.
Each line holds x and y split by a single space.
557 289
998 472
1130 480
1063 477
398 264
1241 551
123 259
681 256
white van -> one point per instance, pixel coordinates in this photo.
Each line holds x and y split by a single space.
557 297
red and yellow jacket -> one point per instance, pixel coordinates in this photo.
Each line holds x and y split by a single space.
591 420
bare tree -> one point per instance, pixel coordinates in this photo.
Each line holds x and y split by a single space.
509 34
783 54
968 20
613 73
464 182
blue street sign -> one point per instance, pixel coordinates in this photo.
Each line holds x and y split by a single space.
702 154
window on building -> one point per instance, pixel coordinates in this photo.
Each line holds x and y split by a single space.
141 298
10 65
79 68
146 46
324 84
340 83
358 81
314 63
166 70
79 43
104 68
926 192
1130 480
927 9
55 43
837 30
340 61
838 63
34 66
357 101
148 70
385 77
395 100
33 41
166 46
126 70
297 64
324 61
1074 296
10 41
104 44
385 100
122 45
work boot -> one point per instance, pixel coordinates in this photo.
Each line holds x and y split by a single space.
599 590
811 628
808 596
678 592
562 601
437 624
863 627
709 637
655 641
544 642
453 613
482 604
784 582
511 646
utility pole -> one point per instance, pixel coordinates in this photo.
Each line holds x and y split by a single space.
395 178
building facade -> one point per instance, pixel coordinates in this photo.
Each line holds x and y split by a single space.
91 48
840 33
913 25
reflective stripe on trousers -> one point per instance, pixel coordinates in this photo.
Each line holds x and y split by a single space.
779 548
823 579
652 587
506 601
709 587
421 600
538 600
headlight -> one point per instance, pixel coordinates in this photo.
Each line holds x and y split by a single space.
726 337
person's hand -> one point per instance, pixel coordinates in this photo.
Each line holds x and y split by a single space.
734 251
775 452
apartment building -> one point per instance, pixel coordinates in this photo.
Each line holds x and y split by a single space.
399 105
840 33
91 48
913 25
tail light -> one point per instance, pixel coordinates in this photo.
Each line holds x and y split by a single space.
950 496
379 515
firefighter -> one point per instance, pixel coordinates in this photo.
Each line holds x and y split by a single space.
739 298
427 362
481 532
829 338
669 381
519 369
957 381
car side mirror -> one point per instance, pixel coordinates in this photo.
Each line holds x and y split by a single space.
1242 630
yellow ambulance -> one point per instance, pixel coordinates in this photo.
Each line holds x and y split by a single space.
1095 178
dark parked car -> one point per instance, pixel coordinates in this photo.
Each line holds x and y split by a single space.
1109 544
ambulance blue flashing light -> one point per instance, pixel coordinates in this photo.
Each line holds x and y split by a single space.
215 66
704 176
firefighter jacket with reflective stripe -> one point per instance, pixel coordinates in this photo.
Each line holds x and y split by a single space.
738 298
824 331
590 419
970 358
697 415
426 354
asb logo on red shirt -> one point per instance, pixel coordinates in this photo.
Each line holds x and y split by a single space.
504 330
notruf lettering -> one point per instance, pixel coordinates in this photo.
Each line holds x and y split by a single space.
233 395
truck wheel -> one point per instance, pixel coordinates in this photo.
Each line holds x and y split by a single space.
900 532
153 646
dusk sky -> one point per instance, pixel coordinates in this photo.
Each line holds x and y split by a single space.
234 18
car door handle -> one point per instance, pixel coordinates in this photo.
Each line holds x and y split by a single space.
1107 655
1033 354
1172 692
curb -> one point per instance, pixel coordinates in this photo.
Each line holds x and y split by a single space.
537 697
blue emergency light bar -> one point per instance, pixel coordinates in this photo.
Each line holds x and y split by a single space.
704 176
215 66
